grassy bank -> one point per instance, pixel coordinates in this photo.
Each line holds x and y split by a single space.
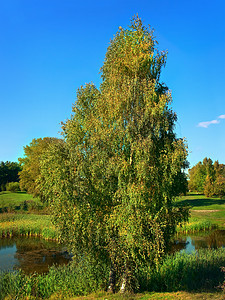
154 296
21 214
206 213
195 274
181 276
12 224
24 215
142 296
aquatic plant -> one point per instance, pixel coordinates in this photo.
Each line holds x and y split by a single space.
200 271
27 224
190 272
193 227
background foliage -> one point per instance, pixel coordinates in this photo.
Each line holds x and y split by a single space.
8 173
30 163
208 178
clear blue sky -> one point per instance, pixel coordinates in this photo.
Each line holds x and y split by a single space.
48 48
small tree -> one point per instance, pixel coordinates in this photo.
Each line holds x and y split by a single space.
209 188
197 177
113 182
219 188
13 187
30 162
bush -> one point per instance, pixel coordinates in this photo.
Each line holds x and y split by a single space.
2 187
13 187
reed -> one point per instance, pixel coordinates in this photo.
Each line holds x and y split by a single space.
27 224
200 271
197 272
197 226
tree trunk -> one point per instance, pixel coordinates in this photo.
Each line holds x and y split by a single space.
112 280
123 285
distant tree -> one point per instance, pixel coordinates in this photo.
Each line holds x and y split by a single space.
219 186
113 182
30 163
197 177
210 170
209 188
207 178
219 169
13 187
8 173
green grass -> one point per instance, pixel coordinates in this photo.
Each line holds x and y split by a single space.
21 214
206 213
27 224
181 276
17 198
10 202
152 296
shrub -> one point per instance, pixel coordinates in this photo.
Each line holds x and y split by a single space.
13 187
2 187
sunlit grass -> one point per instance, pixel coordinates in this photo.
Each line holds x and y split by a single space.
7 198
206 213
27 224
19 201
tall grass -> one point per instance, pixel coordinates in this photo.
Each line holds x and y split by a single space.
196 226
61 282
187 272
27 224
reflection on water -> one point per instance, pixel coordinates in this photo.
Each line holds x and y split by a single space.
190 243
31 254
36 255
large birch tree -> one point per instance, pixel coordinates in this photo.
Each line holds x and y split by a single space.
113 182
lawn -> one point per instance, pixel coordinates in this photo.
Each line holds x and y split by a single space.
15 201
21 214
205 213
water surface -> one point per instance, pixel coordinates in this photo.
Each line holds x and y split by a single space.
37 255
31 254
190 243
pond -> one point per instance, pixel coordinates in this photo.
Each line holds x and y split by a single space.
31 254
190 243
37 255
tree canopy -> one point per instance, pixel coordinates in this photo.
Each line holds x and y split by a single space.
112 183
30 162
208 178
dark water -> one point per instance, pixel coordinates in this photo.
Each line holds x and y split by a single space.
190 243
31 254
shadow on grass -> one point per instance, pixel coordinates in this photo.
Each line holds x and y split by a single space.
201 202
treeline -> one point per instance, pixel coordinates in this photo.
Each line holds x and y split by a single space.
9 172
208 178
